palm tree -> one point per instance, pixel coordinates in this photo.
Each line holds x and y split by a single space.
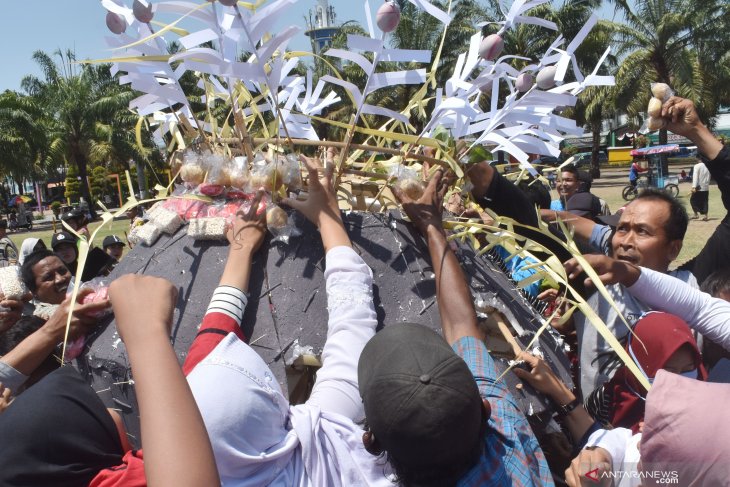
678 42
78 100
23 141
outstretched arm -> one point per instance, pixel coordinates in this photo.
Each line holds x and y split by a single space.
352 319
542 378
176 445
229 300
682 119
709 316
458 318
31 352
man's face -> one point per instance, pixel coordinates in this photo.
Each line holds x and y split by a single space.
66 252
115 251
640 237
567 184
51 280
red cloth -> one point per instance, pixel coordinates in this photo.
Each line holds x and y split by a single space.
662 334
214 328
129 474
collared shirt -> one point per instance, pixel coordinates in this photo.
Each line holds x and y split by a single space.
512 455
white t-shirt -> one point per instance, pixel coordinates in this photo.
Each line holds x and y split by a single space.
701 177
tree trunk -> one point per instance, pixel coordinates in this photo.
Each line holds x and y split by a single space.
595 148
79 158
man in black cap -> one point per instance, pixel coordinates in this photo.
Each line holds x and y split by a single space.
434 406
113 246
64 246
8 250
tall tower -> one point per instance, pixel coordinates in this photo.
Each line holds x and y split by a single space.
322 25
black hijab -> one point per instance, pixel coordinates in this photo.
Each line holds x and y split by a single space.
58 433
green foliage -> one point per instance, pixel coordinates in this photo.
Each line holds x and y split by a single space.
99 182
56 207
73 184
641 141
569 150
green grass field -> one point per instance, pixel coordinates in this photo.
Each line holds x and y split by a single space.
116 227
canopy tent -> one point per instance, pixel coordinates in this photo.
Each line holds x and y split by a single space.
655 149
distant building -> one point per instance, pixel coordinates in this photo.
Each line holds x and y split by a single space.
322 25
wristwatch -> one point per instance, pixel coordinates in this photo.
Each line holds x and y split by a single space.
565 409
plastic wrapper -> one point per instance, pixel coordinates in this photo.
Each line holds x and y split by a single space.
238 173
167 221
186 208
212 190
11 285
146 234
192 170
208 228
267 176
74 348
218 169
291 175
100 292
407 181
280 223
662 91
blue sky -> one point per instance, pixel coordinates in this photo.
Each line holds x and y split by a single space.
48 25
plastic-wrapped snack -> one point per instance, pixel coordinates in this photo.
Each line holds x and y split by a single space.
280 224
150 214
100 288
218 175
186 208
11 285
276 217
266 175
193 170
167 221
662 91
656 123
655 107
208 228
291 174
239 173
148 234
407 181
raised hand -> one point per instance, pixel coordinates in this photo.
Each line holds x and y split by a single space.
425 212
249 228
320 207
321 203
142 304
682 119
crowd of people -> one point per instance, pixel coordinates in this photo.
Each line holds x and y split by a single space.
403 406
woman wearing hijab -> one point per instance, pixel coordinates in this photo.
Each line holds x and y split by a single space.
29 246
660 341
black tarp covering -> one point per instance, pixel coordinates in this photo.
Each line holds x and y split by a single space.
288 300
